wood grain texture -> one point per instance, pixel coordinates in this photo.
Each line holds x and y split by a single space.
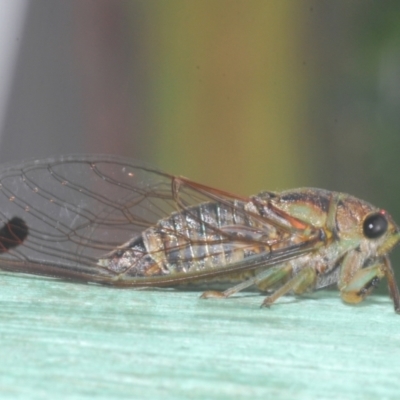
63 340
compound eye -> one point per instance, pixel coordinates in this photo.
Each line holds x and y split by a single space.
375 225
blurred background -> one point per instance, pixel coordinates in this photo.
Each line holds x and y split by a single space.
244 95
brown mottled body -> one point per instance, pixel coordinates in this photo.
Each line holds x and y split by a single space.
206 237
205 242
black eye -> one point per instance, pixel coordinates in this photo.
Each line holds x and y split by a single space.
375 225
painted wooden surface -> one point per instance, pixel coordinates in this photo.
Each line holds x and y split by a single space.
63 340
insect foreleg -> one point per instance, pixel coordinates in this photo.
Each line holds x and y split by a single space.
362 283
351 264
299 284
355 282
393 289
366 279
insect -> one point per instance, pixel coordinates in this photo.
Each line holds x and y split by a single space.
113 221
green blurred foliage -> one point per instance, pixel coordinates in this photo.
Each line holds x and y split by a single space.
227 92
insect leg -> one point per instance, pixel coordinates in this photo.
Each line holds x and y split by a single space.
355 283
365 280
263 280
299 284
351 264
362 283
270 277
215 294
393 289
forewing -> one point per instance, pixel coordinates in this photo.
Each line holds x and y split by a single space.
78 208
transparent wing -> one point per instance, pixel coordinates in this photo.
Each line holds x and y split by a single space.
69 212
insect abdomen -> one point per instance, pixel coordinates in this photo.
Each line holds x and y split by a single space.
195 239
188 241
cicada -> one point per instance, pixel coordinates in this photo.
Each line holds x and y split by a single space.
114 221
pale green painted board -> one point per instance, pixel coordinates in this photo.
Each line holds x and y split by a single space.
63 340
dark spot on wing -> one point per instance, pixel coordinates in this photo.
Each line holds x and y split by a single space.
12 234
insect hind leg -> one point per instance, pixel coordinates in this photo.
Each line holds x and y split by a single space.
215 294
